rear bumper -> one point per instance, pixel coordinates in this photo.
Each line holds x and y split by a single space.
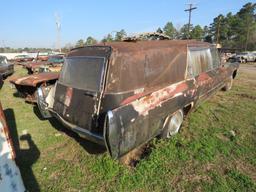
93 137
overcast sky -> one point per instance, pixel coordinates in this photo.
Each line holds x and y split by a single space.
31 23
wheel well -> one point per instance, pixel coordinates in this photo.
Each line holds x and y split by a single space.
187 108
234 74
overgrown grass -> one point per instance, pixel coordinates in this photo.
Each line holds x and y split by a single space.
215 150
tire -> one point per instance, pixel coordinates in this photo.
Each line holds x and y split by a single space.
228 84
172 124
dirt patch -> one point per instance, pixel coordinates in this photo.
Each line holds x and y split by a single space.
246 169
132 158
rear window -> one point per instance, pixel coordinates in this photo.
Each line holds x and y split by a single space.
83 72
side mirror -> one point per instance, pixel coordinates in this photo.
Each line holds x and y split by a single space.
1 81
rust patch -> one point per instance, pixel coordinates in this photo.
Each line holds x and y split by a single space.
204 78
34 80
147 103
6 132
68 97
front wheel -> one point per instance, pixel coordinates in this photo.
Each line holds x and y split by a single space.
228 84
172 124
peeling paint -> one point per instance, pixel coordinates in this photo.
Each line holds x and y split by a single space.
155 99
10 177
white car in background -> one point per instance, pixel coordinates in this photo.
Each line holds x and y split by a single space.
245 57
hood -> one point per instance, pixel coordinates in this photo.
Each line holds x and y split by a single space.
33 80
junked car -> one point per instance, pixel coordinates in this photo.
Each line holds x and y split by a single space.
43 75
6 69
27 86
123 94
23 58
43 56
245 57
10 177
53 63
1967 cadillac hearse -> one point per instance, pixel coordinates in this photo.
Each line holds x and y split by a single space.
123 94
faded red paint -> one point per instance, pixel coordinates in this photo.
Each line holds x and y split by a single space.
147 103
204 78
6 132
132 98
34 80
68 97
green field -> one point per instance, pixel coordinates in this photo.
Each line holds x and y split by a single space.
214 151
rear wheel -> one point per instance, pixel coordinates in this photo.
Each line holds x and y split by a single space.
228 84
172 124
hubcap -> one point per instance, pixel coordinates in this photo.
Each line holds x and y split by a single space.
175 123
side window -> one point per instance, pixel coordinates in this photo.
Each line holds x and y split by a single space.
199 60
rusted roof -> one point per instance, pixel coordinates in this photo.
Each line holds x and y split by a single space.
145 45
134 46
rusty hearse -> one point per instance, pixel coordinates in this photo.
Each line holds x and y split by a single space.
123 94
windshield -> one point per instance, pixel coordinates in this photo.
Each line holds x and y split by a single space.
83 72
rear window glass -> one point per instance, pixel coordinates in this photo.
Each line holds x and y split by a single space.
83 72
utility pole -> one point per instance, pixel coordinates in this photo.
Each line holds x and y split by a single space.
218 30
58 28
189 10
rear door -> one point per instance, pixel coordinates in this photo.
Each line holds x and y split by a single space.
78 91
202 67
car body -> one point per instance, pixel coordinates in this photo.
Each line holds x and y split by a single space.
54 61
6 69
123 94
23 58
43 56
245 57
27 86
10 174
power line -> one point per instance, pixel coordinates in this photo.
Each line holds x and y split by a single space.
190 9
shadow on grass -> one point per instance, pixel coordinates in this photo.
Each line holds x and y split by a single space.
89 146
25 158
17 95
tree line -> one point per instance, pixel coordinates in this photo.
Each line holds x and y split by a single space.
230 30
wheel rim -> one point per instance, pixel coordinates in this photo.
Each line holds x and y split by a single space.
229 84
175 123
